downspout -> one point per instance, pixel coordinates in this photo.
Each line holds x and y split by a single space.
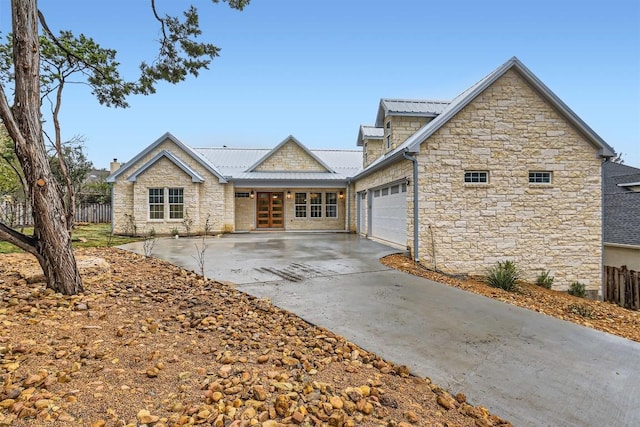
348 226
602 267
413 159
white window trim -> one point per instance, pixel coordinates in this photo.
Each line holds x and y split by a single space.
479 173
166 212
539 174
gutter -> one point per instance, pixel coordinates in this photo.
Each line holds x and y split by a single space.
413 159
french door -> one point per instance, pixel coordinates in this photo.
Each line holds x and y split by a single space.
270 212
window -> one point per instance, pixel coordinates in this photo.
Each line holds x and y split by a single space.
404 188
540 177
376 193
363 195
315 200
176 203
331 206
301 205
162 200
156 203
388 142
385 191
395 189
242 195
481 177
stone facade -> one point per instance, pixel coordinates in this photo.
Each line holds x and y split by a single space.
290 157
245 209
400 128
508 131
372 149
201 200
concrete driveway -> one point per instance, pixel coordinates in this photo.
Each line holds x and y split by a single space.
528 368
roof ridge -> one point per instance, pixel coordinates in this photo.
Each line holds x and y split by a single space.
423 100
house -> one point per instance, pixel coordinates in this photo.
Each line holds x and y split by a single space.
621 215
170 185
503 171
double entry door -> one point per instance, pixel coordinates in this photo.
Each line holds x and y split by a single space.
270 210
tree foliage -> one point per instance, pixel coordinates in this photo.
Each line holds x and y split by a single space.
36 67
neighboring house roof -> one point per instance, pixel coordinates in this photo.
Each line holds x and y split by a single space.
409 107
412 144
369 132
167 136
621 204
288 139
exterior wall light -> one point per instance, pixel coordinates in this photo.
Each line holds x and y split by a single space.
341 195
252 194
288 194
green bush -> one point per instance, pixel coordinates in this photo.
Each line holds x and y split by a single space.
577 289
545 279
581 310
503 275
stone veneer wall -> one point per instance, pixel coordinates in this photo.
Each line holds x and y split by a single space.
510 130
291 157
374 149
130 199
246 211
402 127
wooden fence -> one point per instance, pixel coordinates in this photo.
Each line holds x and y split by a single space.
13 215
622 287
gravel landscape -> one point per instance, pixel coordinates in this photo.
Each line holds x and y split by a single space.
151 344
603 316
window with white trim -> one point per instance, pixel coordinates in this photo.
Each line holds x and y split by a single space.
539 177
315 201
301 205
476 177
176 203
166 203
156 203
331 205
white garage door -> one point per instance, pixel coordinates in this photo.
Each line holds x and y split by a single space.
389 214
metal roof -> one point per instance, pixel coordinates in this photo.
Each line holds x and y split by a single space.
621 205
369 132
234 163
412 144
409 107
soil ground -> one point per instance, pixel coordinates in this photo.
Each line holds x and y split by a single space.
151 344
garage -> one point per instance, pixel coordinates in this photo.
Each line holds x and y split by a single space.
389 213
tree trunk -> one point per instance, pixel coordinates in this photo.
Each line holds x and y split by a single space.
51 240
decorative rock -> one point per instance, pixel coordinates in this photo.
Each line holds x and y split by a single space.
446 403
336 402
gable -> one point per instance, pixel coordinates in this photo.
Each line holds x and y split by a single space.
166 160
291 156
181 155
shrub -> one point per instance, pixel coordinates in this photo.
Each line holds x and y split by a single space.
503 275
581 310
545 279
577 289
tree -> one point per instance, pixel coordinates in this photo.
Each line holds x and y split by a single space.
72 177
179 56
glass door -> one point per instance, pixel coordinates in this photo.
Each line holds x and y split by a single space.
270 210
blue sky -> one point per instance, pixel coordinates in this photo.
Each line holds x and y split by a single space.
317 69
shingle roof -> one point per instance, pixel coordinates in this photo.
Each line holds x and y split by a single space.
621 205
409 107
